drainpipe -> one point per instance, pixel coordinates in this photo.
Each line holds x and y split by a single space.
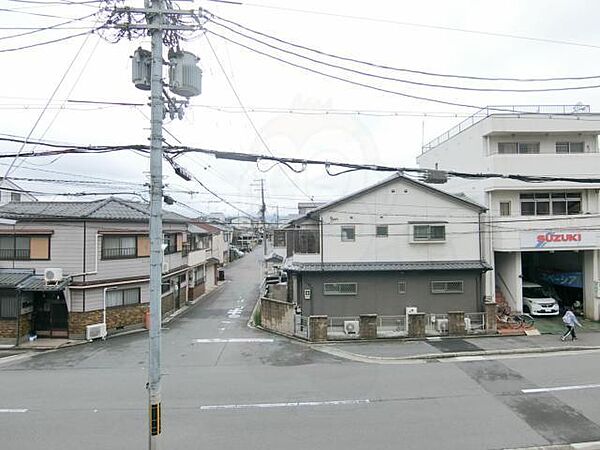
95 271
19 309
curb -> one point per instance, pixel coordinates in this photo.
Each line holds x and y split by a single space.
446 356
593 445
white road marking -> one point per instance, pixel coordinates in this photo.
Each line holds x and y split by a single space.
235 313
560 388
285 405
13 410
234 340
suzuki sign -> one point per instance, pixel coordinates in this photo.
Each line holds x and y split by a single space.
558 239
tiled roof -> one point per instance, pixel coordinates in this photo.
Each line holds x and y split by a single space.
36 283
13 278
208 227
112 208
385 266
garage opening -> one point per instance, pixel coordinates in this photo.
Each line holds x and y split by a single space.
559 273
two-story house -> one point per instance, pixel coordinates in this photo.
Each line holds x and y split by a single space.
67 265
543 231
397 244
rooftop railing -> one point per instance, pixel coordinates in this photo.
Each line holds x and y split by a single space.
504 109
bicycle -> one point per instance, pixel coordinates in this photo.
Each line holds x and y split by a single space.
517 320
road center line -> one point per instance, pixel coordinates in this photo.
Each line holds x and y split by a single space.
13 410
560 388
235 340
285 405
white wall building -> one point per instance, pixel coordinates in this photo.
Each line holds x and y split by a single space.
541 231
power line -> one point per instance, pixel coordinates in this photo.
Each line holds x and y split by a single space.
386 67
51 27
418 25
175 151
355 83
53 41
261 139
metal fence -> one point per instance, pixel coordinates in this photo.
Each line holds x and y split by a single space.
342 327
475 323
391 326
436 324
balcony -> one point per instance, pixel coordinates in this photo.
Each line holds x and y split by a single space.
574 165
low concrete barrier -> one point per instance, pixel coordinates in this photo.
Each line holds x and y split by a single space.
277 315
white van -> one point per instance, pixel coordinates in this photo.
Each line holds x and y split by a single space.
537 301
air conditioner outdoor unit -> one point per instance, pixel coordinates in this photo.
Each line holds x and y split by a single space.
351 326
467 323
53 275
96 331
441 325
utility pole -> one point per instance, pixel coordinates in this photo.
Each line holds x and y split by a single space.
185 81
263 211
156 235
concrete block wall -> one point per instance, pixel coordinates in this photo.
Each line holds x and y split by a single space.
277 315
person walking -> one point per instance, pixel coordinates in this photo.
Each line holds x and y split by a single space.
570 320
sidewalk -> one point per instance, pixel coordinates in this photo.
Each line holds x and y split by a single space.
444 348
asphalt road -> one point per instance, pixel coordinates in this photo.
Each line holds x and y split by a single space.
265 392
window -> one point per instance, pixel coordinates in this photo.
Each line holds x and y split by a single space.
9 305
306 241
505 208
381 231
340 288
122 297
15 197
569 147
119 247
555 203
170 241
348 233
447 287
279 238
425 233
518 147
199 275
165 287
19 248
401 287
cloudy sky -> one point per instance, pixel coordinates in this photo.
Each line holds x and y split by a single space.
292 111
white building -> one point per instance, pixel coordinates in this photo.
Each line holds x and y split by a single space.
395 244
543 231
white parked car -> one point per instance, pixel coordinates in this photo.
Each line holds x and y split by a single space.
537 301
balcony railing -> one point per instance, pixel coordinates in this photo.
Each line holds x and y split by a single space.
10 254
119 253
504 109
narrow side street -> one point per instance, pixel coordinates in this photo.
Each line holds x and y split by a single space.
226 386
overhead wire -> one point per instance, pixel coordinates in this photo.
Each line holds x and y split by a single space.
259 135
379 66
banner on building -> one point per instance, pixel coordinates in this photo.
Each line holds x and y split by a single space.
552 240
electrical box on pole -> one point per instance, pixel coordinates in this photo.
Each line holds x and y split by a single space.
141 64
185 77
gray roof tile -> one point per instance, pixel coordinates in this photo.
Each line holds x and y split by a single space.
112 208
385 266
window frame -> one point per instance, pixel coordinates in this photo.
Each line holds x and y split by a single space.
171 240
279 236
122 254
122 301
348 227
339 293
425 239
446 290
23 256
378 235
568 145
552 198
518 148
401 287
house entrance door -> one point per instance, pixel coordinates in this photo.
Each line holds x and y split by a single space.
50 316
